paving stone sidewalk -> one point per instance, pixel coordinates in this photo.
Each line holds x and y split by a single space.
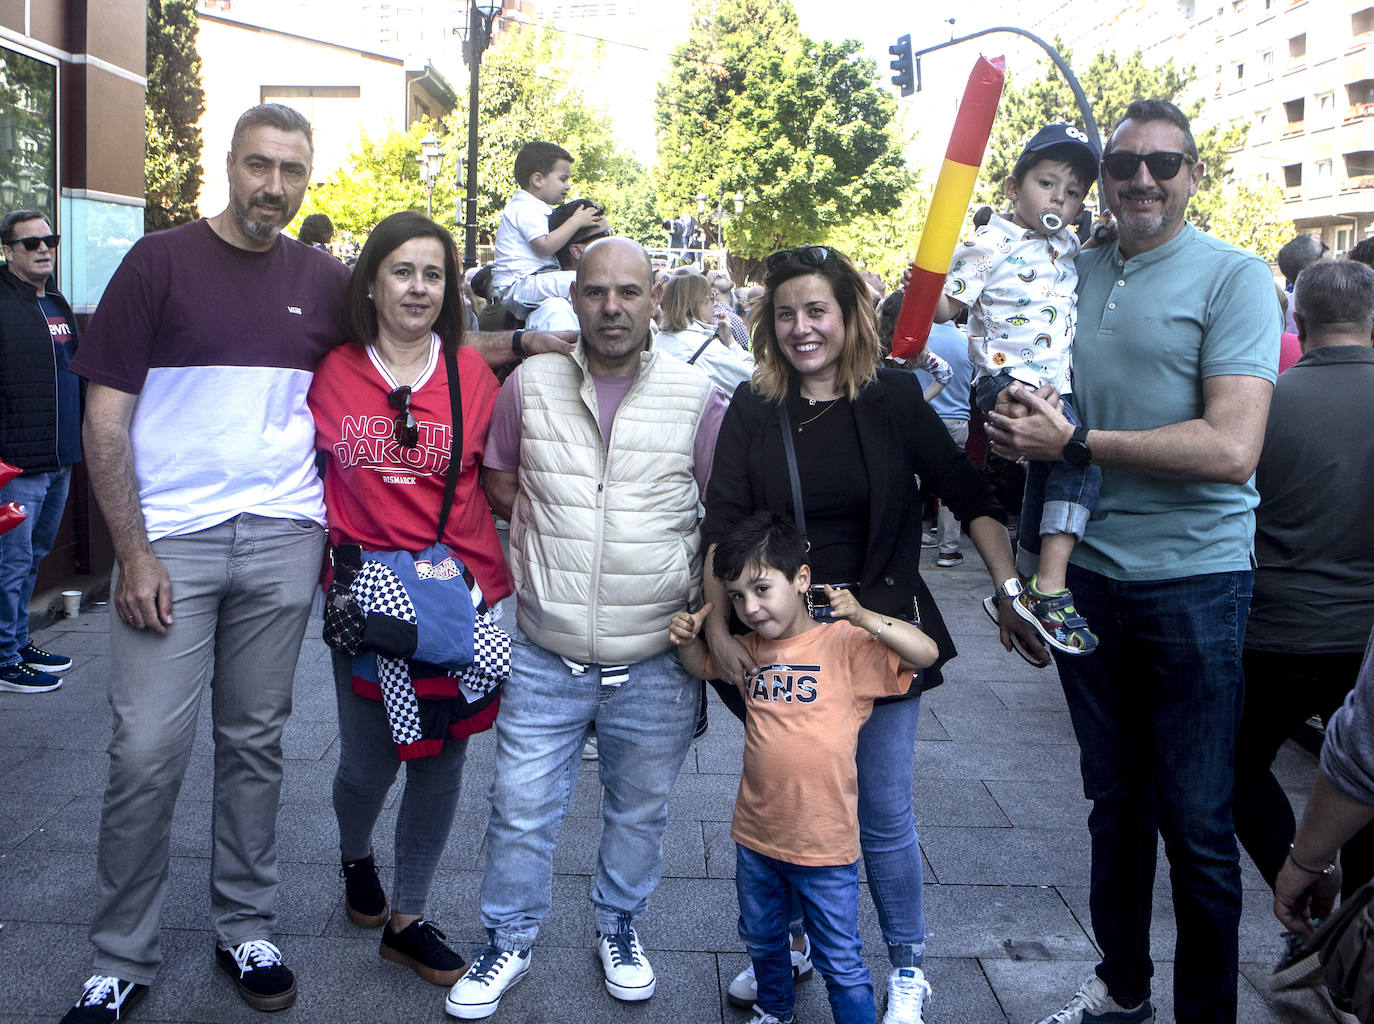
999 807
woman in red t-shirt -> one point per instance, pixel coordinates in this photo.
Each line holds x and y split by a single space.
384 424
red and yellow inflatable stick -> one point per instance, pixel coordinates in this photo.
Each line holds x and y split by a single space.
953 189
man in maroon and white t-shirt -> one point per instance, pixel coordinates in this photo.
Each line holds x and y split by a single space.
201 453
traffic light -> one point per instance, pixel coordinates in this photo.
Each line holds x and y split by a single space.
904 79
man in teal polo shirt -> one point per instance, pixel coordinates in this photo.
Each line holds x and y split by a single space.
1174 362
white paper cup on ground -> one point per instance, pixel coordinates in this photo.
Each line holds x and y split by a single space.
71 603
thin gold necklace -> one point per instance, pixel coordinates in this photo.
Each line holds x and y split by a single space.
828 406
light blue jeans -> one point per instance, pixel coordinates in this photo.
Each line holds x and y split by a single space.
887 828
43 496
643 727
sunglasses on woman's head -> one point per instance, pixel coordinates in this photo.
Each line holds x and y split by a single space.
405 432
809 255
1122 164
34 242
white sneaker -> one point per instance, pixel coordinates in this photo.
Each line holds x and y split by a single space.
762 1016
744 990
478 993
1092 1003
628 974
907 991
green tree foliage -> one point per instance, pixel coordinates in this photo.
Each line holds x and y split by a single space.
886 243
527 93
382 176
752 105
1111 83
175 101
1249 215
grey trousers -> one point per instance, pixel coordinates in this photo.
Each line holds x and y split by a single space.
241 594
368 764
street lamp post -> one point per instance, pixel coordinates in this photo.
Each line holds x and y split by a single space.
431 159
476 38
738 200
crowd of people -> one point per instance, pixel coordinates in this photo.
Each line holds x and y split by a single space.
694 495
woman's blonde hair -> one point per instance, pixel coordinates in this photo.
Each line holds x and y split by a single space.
681 296
773 374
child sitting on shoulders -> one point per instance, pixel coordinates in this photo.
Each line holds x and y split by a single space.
1017 278
796 818
525 272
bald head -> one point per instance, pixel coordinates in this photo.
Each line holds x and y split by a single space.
614 296
609 247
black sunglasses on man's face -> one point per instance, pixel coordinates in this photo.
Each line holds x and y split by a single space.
32 243
1122 164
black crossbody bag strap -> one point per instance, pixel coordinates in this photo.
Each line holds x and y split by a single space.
798 510
455 456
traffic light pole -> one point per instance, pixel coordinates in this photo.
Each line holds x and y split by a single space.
905 57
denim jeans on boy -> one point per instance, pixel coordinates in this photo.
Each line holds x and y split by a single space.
643 730
1156 709
1059 497
830 905
44 497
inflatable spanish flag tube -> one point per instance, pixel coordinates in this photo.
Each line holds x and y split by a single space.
953 189
11 515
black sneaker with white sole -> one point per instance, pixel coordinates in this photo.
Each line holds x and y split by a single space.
264 982
23 679
105 1000
44 661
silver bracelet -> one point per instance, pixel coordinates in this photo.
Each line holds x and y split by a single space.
1326 871
879 631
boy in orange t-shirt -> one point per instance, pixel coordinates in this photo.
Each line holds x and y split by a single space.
796 823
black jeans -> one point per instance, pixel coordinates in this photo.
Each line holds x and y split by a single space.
1283 690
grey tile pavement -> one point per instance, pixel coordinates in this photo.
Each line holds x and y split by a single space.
999 807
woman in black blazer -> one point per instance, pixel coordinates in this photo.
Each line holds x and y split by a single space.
861 436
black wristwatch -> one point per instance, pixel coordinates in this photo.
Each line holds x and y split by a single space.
1076 452
515 345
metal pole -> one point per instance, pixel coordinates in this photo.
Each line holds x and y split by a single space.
477 42
1084 108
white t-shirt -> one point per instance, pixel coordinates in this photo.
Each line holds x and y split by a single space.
553 315
525 217
1019 287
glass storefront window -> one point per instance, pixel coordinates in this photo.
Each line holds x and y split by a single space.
28 134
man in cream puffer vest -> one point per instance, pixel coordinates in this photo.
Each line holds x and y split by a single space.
599 460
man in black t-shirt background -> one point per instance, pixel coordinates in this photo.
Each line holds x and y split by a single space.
40 434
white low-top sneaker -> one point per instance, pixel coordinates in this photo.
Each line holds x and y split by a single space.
628 974
744 990
907 991
1092 1004
478 993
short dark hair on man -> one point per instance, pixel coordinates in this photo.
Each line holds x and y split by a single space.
1335 296
888 311
762 540
1159 110
17 217
1297 255
360 312
537 158
317 229
271 115
1080 161
1363 253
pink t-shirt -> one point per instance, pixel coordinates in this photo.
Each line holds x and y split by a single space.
503 439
